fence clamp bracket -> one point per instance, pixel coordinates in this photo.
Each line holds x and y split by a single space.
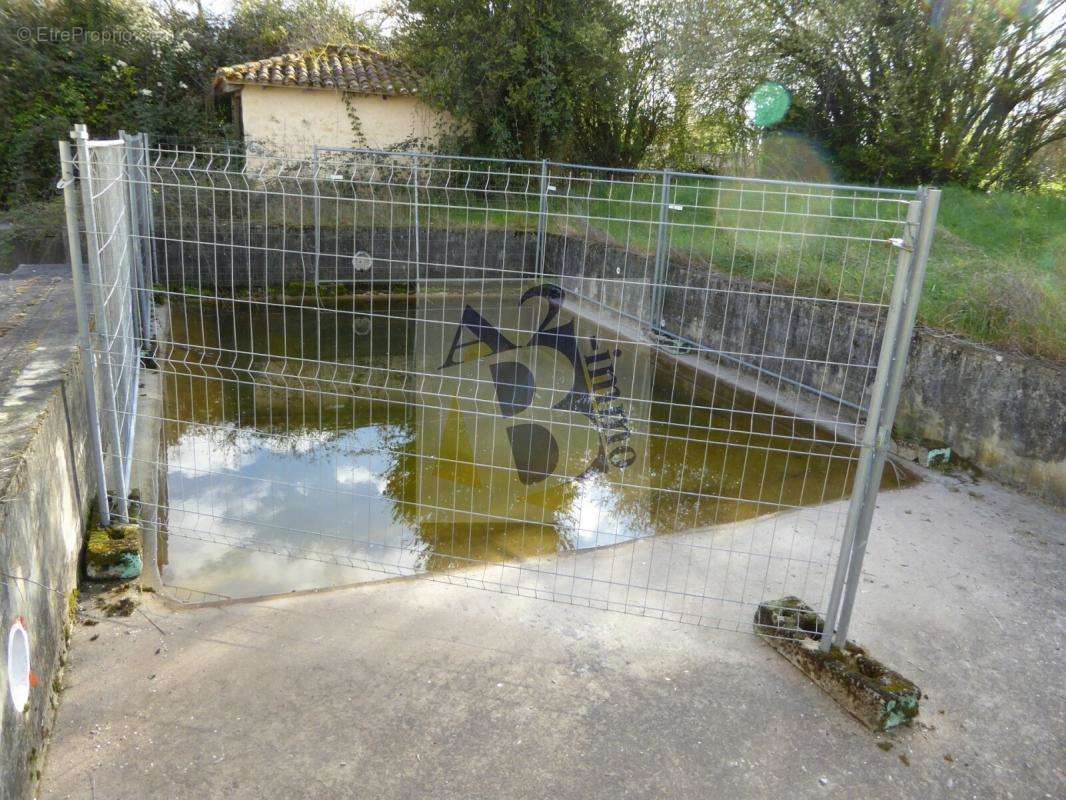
63 184
897 241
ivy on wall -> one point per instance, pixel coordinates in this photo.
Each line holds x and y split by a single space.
356 124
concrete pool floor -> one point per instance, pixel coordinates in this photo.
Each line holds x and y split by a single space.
414 688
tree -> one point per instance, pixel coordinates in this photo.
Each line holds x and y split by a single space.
262 28
900 91
131 64
645 107
905 91
521 78
719 52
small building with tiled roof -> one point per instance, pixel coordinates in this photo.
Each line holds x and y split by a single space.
338 95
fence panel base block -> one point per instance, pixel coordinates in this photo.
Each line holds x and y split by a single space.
877 696
113 554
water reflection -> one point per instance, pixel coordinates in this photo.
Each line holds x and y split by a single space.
447 436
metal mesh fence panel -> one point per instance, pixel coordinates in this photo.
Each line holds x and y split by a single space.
109 292
653 392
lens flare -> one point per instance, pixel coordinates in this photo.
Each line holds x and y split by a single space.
767 105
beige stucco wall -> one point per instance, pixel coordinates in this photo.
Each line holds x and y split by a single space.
288 120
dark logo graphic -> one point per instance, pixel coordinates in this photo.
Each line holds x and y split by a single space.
558 393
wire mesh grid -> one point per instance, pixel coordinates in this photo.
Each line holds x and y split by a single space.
111 284
640 391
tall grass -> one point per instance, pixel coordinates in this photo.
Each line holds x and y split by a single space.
997 273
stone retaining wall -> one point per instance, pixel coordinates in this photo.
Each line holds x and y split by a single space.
1004 413
45 490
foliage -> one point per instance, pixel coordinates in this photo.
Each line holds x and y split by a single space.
31 233
595 82
906 91
525 78
997 272
645 113
898 91
261 28
719 50
116 64
127 70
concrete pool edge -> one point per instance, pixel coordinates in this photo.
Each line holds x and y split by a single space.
46 486
835 430
836 420
1001 410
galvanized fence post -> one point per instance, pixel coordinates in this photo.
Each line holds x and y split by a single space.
132 155
417 228
149 231
145 237
316 210
542 218
81 134
877 435
921 243
70 204
661 256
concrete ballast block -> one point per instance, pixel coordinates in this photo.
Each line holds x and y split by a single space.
877 696
113 553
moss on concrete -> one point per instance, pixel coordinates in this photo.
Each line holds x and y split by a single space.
878 696
113 553
121 607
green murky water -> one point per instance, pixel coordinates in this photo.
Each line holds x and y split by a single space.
419 436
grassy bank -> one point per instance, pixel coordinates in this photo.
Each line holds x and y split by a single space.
998 271
997 274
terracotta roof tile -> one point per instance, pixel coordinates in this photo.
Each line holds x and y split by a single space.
351 68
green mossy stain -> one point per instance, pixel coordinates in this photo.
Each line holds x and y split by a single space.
122 607
301 294
72 605
113 553
879 696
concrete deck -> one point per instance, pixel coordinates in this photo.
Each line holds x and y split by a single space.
44 490
413 688
37 337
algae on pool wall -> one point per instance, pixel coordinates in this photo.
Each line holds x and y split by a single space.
113 553
454 433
